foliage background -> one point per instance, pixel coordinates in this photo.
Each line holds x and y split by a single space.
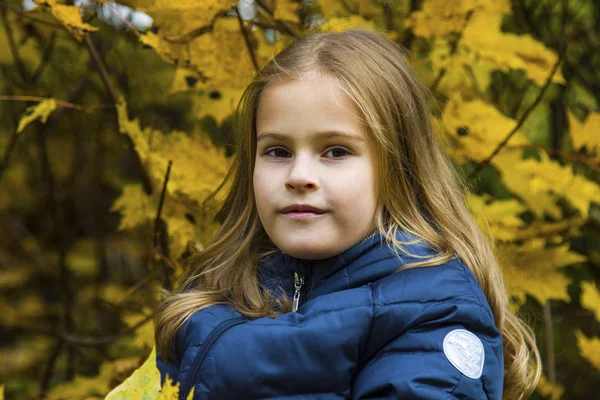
115 126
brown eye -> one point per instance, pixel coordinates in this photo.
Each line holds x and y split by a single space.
277 152
338 152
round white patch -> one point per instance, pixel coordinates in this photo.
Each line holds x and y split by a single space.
465 351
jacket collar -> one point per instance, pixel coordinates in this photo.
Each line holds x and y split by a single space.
342 271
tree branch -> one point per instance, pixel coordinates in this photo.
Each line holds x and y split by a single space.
524 117
247 40
282 24
112 93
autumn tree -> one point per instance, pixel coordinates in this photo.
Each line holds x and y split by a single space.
115 125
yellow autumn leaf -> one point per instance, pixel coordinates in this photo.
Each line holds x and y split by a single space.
474 129
590 348
198 166
83 387
547 389
590 298
586 134
143 383
534 269
69 16
541 183
1 392
286 10
42 110
218 103
341 24
484 38
500 217
218 57
143 335
177 19
443 17
82 257
137 208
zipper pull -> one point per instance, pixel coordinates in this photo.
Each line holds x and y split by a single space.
298 282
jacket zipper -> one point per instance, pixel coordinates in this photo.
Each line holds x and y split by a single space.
298 282
208 344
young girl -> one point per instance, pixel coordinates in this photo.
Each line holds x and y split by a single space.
347 264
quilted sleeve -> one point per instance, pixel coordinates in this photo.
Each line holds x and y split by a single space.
442 348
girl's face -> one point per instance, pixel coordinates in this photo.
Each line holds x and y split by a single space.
312 150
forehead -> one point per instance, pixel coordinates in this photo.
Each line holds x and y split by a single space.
311 103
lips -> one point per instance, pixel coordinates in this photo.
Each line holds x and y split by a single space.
302 208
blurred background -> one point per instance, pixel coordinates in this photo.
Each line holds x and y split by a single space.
116 123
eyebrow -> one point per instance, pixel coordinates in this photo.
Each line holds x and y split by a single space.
318 135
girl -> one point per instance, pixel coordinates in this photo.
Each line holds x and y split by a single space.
347 264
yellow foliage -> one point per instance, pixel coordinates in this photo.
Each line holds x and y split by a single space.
534 269
219 57
541 183
42 110
83 387
286 10
1 392
343 24
219 108
554 391
144 335
144 383
590 348
198 166
70 17
485 127
505 51
443 17
590 298
82 257
586 133
182 17
500 218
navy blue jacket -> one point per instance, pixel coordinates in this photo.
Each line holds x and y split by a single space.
361 331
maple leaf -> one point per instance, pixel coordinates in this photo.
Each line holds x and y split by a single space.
534 269
585 135
143 383
69 16
541 183
554 391
484 38
286 10
42 110
474 129
590 298
590 348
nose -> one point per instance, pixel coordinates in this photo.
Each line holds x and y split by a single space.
302 174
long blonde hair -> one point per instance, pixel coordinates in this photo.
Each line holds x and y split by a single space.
420 194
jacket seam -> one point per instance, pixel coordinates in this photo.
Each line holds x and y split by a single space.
362 350
447 300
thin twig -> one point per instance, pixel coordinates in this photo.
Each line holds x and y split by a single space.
160 204
77 340
523 118
60 103
45 382
569 156
101 68
198 31
247 40
125 20
286 27
12 44
550 361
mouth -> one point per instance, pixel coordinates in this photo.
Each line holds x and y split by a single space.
302 211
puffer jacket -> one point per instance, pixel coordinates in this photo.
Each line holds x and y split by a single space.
360 331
